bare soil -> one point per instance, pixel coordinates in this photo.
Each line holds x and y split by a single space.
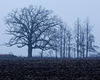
49 69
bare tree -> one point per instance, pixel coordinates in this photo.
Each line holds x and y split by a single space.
82 42
77 35
87 36
51 41
84 38
61 41
43 45
69 43
88 29
55 41
92 48
65 40
27 26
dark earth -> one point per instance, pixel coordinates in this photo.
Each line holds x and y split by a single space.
49 69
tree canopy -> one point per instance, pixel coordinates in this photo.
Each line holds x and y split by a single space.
29 25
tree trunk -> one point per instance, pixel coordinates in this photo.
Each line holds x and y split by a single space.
56 54
69 52
77 36
83 53
87 33
66 51
61 47
87 50
61 42
64 45
74 54
69 47
42 54
77 49
29 52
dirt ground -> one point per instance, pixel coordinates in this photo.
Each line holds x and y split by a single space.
29 69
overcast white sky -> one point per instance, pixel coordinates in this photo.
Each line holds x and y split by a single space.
68 10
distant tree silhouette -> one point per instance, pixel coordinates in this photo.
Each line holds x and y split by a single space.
77 35
55 41
89 37
69 35
82 42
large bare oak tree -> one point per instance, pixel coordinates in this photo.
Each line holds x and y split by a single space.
28 25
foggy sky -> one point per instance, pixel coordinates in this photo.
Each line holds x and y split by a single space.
68 10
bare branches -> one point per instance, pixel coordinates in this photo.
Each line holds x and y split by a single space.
28 25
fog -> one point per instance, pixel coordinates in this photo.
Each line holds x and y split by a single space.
68 10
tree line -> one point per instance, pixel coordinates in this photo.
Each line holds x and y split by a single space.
38 28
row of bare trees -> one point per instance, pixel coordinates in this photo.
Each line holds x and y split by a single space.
84 38
38 28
